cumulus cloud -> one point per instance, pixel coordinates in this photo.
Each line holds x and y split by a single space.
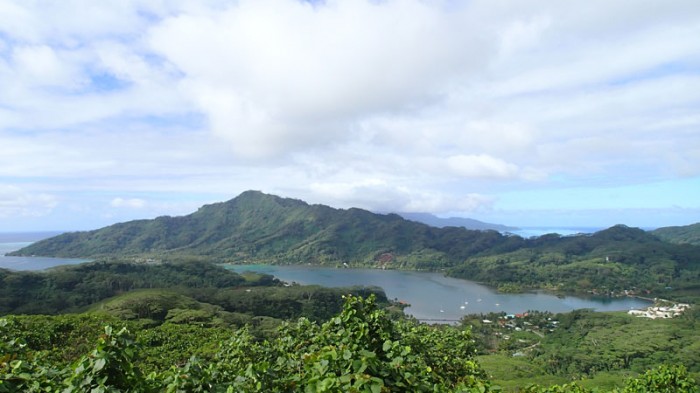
481 165
379 195
130 203
280 76
16 202
420 105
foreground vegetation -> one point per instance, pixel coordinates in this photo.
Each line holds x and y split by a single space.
196 326
361 349
597 349
181 289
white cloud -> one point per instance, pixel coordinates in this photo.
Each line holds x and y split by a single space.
481 165
378 195
399 104
130 203
40 65
280 76
16 202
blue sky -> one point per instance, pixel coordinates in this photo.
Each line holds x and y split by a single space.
539 113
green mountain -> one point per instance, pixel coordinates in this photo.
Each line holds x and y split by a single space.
256 227
615 259
689 234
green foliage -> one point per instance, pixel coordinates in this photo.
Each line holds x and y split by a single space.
59 339
358 350
18 370
663 379
598 350
108 368
689 234
586 343
604 263
71 288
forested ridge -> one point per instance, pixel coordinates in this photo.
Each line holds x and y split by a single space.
689 234
260 228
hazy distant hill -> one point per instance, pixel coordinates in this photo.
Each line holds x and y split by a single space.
468 223
689 234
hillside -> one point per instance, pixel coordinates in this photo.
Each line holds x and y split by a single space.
256 227
177 290
615 259
688 234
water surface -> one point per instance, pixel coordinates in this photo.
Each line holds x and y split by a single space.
434 296
14 241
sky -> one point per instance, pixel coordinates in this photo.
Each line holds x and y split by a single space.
536 113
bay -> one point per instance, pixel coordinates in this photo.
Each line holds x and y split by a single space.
14 241
434 297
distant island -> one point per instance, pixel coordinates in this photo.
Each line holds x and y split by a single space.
468 223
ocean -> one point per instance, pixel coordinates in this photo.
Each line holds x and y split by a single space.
12 241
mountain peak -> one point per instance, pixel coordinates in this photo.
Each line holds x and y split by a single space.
258 227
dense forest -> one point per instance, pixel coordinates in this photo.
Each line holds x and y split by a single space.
360 349
187 290
689 234
260 228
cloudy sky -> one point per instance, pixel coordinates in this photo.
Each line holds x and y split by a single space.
537 113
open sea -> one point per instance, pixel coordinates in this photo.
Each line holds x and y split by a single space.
14 241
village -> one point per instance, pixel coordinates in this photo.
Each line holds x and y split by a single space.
518 333
658 311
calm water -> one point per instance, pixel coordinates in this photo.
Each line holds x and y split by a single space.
433 296
14 241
